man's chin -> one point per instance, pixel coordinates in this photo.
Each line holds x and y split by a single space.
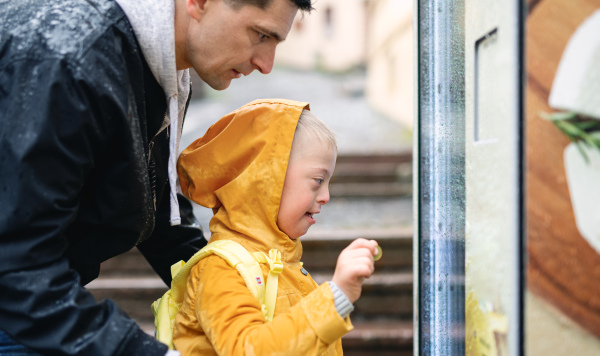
216 83
221 85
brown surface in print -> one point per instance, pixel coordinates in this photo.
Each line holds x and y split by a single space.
563 268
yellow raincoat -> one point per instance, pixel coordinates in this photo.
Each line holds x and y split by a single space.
238 169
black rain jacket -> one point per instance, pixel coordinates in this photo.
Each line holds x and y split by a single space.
82 174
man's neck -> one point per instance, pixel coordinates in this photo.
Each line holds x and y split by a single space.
182 19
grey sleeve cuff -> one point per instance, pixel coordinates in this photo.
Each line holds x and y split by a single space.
341 301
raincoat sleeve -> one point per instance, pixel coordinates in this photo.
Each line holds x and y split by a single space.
49 137
233 321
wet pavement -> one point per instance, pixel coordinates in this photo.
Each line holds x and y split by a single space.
339 101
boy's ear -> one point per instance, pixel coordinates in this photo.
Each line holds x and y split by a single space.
196 8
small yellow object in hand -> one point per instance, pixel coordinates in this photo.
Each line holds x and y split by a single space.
378 254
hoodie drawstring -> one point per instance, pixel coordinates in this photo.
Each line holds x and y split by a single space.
175 218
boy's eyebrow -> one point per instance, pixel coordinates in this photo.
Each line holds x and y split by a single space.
325 171
271 33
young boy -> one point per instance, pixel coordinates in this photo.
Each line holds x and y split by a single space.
264 169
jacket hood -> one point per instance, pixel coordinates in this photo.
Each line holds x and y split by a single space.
153 22
238 168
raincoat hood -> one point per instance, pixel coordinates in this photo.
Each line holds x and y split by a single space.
238 169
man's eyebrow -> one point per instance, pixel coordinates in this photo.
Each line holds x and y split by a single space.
270 33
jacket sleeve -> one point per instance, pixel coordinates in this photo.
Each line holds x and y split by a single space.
224 308
170 244
48 140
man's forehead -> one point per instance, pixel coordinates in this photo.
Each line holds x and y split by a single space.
276 19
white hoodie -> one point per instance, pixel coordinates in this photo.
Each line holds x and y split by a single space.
153 22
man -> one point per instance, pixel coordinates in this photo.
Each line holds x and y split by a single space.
92 99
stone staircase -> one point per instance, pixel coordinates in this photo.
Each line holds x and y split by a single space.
375 175
383 315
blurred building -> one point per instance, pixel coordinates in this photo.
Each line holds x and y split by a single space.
389 87
346 35
331 38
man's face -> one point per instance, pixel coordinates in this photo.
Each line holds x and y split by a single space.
306 186
224 43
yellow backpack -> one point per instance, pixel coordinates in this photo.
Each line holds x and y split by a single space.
165 308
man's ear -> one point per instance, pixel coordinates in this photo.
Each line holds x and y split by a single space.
196 8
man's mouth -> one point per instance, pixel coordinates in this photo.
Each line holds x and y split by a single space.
239 74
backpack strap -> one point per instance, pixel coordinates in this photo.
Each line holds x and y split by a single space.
166 308
275 268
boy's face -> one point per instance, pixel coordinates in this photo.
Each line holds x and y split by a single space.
306 186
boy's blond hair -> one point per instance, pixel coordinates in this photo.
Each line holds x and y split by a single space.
310 126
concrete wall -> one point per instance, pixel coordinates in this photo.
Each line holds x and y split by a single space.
341 35
332 37
390 59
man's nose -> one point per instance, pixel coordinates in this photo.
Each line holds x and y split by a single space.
263 59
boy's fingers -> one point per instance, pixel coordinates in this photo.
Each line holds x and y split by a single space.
371 245
375 247
360 242
364 268
361 252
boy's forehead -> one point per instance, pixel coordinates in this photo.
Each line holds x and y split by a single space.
307 137
311 145
314 155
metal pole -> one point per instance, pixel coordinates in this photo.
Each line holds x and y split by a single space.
441 177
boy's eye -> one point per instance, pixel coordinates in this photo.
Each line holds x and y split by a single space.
319 180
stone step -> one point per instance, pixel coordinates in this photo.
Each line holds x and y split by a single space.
368 338
397 158
320 251
373 168
384 295
372 171
379 338
382 316
322 247
372 176
371 189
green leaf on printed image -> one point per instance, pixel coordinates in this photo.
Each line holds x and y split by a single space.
580 130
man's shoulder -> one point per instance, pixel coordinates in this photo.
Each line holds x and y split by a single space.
47 29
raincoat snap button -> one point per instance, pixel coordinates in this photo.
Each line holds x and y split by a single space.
304 272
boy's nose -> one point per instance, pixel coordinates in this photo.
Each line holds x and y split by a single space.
323 197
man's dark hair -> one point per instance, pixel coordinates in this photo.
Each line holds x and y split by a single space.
303 5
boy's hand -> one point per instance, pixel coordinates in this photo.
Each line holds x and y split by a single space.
354 264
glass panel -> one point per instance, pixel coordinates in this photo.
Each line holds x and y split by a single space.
493 185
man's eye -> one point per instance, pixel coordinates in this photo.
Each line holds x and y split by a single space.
262 37
319 181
